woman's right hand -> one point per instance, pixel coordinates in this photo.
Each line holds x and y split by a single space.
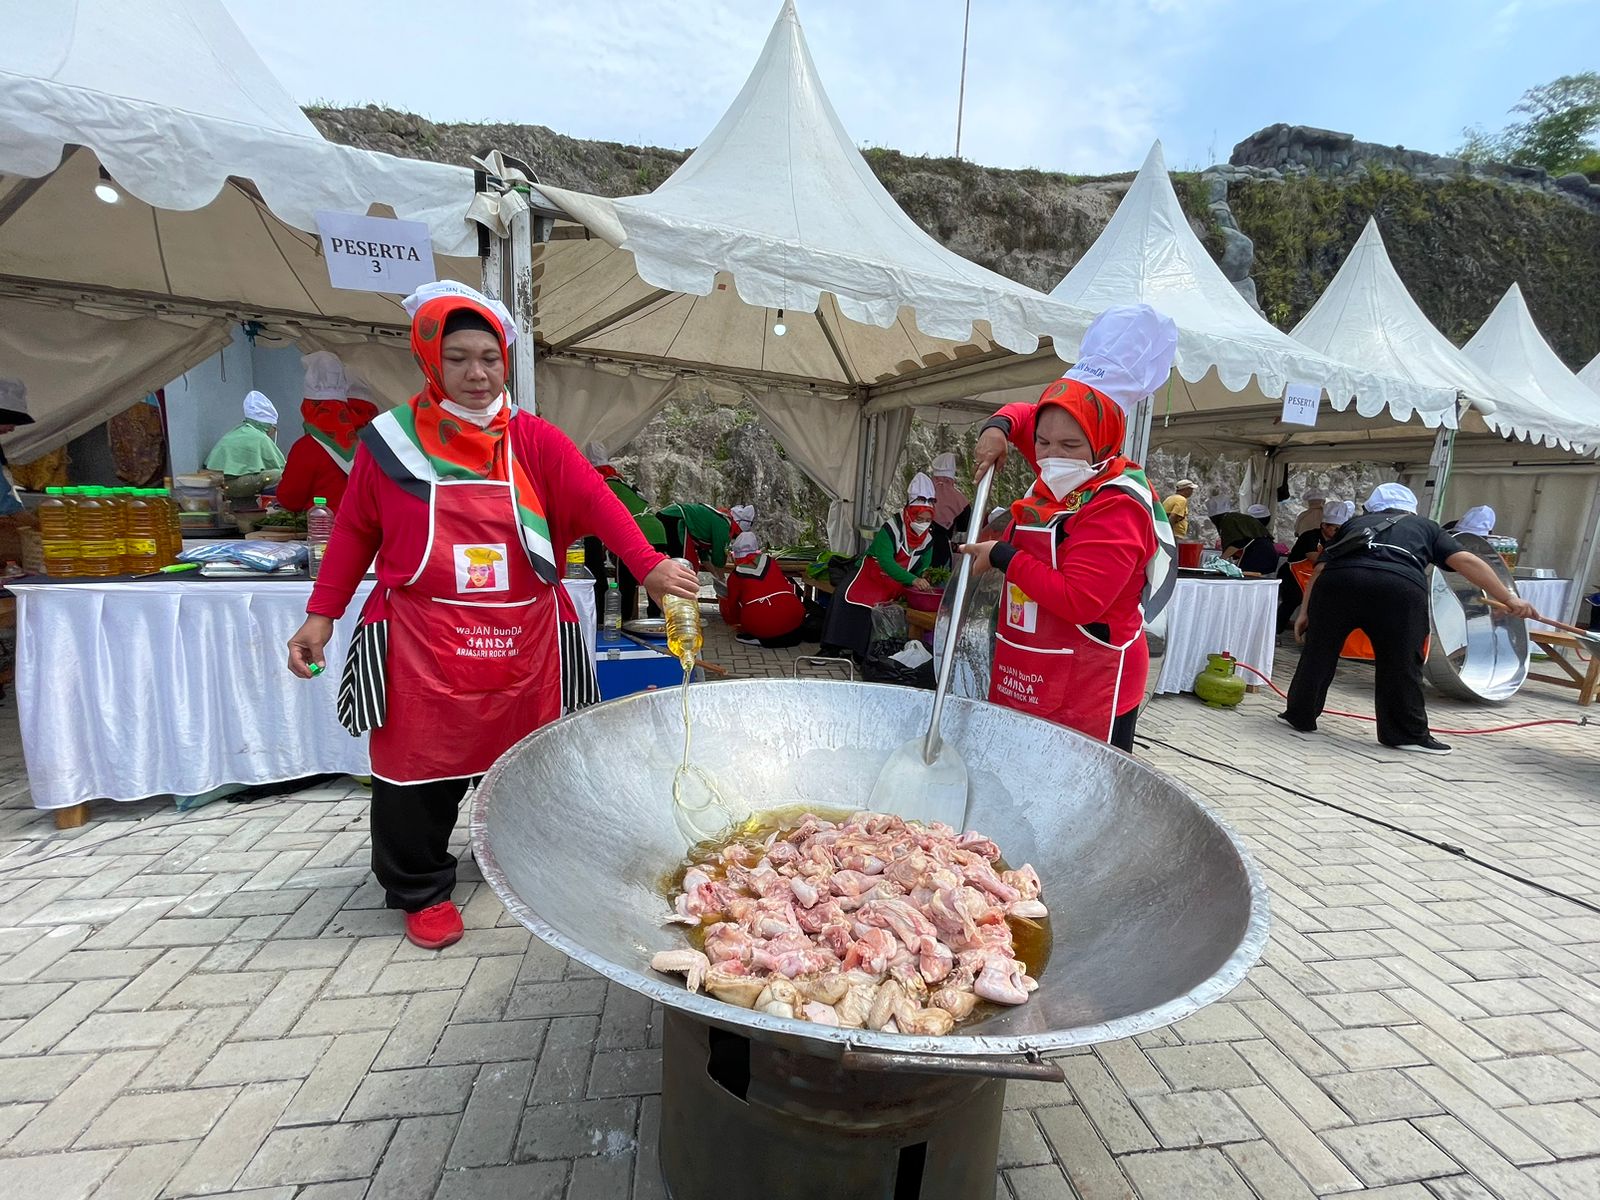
989 452
919 584
307 644
671 578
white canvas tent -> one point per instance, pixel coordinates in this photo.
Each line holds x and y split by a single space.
1509 346
775 221
1591 373
1232 367
218 176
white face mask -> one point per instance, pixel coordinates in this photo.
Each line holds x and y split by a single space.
1063 476
921 526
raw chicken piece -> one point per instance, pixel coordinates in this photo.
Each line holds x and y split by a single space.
872 952
732 986
888 1000
924 1022
978 844
1032 910
826 989
685 962
821 1014
805 892
1003 980
1026 880
779 1009
958 1002
856 1006
727 942
780 991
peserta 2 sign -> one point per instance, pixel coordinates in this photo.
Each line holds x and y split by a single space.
376 254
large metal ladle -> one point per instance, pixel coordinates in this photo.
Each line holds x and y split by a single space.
925 778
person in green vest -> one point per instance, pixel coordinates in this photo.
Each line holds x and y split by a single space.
702 534
247 455
649 524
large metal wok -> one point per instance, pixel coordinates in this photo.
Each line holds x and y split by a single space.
1476 652
1156 910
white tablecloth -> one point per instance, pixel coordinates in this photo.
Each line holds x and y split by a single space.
128 690
1208 616
1549 596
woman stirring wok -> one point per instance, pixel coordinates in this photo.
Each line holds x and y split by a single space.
461 498
1088 555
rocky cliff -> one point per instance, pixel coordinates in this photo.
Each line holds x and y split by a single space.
1279 218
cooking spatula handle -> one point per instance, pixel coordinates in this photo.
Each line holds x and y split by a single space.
932 743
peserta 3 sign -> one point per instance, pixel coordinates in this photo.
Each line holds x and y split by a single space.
376 254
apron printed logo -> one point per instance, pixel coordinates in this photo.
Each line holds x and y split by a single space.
488 641
478 568
1021 612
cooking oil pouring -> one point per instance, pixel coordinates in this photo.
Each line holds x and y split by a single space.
698 808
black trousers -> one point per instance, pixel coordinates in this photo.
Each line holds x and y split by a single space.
594 557
1393 612
1290 594
411 828
1122 730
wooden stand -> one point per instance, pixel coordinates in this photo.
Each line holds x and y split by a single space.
74 817
1583 675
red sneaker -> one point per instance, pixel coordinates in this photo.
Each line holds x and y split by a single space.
436 927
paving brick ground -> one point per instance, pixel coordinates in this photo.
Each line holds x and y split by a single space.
216 1002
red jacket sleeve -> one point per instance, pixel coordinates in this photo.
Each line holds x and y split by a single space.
729 604
1021 415
357 531
297 488
1108 544
582 504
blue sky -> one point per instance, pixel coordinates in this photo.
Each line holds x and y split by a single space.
1067 85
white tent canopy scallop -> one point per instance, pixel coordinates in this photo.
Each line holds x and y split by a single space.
1510 347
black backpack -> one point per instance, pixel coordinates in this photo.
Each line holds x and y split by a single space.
1360 540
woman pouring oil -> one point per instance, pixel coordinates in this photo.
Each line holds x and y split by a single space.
461 498
1088 554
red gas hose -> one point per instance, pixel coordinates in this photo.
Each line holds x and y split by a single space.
1262 675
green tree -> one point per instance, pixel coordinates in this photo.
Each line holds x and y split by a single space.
1560 133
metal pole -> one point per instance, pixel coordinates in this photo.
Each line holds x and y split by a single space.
520 302
1438 477
961 100
1587 558
865 502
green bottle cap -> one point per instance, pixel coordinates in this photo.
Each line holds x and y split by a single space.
52 491
322 500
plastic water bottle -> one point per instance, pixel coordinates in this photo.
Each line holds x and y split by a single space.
613 621
684 636
58 528
319 528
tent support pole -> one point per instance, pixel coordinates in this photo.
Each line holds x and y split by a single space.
1136 444
866 504
1588 558
1438 478
521 303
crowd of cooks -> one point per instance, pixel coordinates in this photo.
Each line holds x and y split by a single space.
470 661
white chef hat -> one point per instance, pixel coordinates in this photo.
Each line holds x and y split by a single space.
1337 512
1218 505
325 376
447 287
1127 353
357 388
745 514
258 408
595 452
920 489
746 544
1259 511
1313 496
944 466
1181 484
1392 497
1479 520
